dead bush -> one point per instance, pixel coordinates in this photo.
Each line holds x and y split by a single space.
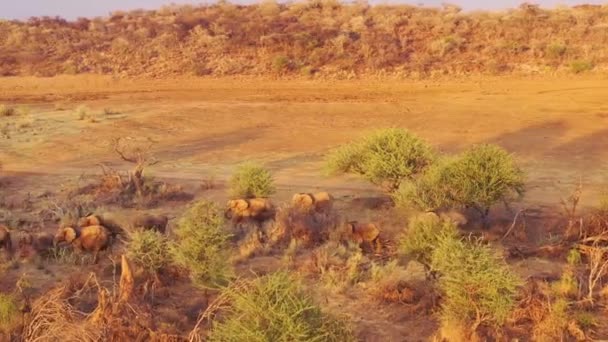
308 228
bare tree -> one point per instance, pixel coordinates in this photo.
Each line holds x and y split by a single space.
136 152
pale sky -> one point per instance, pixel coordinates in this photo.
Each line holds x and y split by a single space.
22 9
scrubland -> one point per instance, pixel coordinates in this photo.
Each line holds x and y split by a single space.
304 172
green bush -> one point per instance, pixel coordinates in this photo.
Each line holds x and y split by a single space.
580 66
9 312
149 250
477 284
275 308
423 235
482 176
251 180
386 157
201 245
428 192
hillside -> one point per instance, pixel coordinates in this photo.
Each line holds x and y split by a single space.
322 38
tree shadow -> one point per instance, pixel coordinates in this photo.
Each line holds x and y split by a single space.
533 141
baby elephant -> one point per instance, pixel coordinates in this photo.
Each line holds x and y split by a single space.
257 209
364 233
90 239
5 240
319 202
151 222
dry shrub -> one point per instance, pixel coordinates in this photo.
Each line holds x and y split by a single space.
388 283
338 266
86 311
307 228
56 317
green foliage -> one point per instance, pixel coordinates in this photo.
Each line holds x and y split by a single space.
477 178
386 157
423 234
202 245
9 312
428 192
275 308
251 180
580 66
477 284
482 176
149 250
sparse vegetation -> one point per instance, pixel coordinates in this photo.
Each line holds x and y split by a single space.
334 39
251 180
386 157
275 308
149 250
202 245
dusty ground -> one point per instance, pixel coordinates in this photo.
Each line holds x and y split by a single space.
558 129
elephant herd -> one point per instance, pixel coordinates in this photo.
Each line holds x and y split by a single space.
260 210
93 233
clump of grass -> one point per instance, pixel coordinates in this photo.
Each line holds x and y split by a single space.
423 235
251 180
275 308
580 66
9 312
477 284
82 112
149 250
388 283
386 157
110 111
7 110
201 245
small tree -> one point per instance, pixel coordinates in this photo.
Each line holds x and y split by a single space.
136 152
478 178
275 308
202 245
251 180
477 284
386 158
483 176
